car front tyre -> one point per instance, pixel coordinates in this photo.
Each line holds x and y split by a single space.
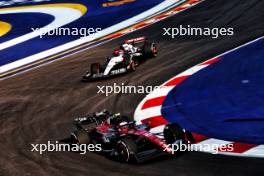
126 150
80 137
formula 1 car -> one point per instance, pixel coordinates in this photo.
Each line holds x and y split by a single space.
130 54
123 139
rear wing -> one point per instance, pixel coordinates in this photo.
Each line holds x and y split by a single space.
136 40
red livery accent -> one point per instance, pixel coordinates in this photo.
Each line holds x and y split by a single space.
135 40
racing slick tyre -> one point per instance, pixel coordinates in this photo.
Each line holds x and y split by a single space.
173 132
80 137
126 150
95 68
150 49
132 66
129 63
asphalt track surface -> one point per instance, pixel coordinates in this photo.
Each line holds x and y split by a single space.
39 105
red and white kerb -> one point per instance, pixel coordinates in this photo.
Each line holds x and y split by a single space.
149 111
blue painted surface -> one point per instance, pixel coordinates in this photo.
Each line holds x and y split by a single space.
96 17
225 100
21 26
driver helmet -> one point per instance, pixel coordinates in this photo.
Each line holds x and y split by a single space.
117 52
123 127
123 124
113 119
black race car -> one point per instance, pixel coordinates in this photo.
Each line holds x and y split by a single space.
130 54
122 139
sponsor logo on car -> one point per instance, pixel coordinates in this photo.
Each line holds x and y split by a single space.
122 70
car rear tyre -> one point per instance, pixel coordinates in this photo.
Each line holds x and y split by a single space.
172 133
80 137
126 149
132 66
150 49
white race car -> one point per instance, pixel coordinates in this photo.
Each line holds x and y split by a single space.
130 54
